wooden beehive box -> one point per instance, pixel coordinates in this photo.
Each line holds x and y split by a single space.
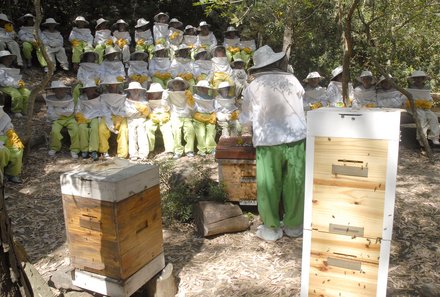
113 219
237 168
351 167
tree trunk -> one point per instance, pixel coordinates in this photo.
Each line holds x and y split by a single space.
40 87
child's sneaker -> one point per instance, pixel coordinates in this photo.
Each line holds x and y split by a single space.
177 156
133 158
13 179
293 232
269 234
85 155
52 153
94 156
106 156
74 155
18 115
190 154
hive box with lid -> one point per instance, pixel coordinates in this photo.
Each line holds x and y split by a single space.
351 168
114 225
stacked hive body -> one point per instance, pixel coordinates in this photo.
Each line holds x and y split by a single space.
237 168
114 226
349 202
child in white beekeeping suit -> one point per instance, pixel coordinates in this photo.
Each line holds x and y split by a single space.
26 36
182 65
181 101
54 44
239 76
221 71
11 149
204 118
114 119
421 93
160 65
143 37
81 39
202 65
103 38
386 95
122 39
364 95
160 29
175 34
190 37
8 38
227 112
138 69
11 83
334 89
61 114
205 38
88 70
232 43
315 96
159 117
88 111
112 66
137 111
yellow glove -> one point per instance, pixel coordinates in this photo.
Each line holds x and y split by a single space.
9 27
202 117
165 117
97 81
159 118
174 35
161 41
247 50
142 108
75 42
162 76
423 104
80 119
120 78
316 105
13 139
189 98
121 43
233 50
370 105
201 77
186 76
117 121
140 42
109 42
234 115
213 118
21 83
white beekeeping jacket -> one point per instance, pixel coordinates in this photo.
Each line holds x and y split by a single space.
88 72
101 36
52 39
92 108
82 34
144 35
204 105
57 108
26 33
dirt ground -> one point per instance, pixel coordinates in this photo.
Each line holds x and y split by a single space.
232 264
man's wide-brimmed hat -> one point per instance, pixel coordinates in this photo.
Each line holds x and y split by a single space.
6 53
155 88
57 84
265 56
335 72
178 79
4 17
134 85
50 21
100 21
141 22
313 74
80 19
419 73
231 29
156 17
383 78
175 20
366 73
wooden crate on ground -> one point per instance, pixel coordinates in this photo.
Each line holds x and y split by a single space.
237 168
114 225
351 168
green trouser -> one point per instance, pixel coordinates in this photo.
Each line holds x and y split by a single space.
205 134
28 47
100 49
162 82
11 159
76 92
281 175
185 124
56 137
78 50
167 135
19 98
88 136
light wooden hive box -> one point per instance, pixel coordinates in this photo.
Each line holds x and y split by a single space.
351 168
237 168
113 220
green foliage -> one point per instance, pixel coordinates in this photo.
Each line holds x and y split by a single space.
181 190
